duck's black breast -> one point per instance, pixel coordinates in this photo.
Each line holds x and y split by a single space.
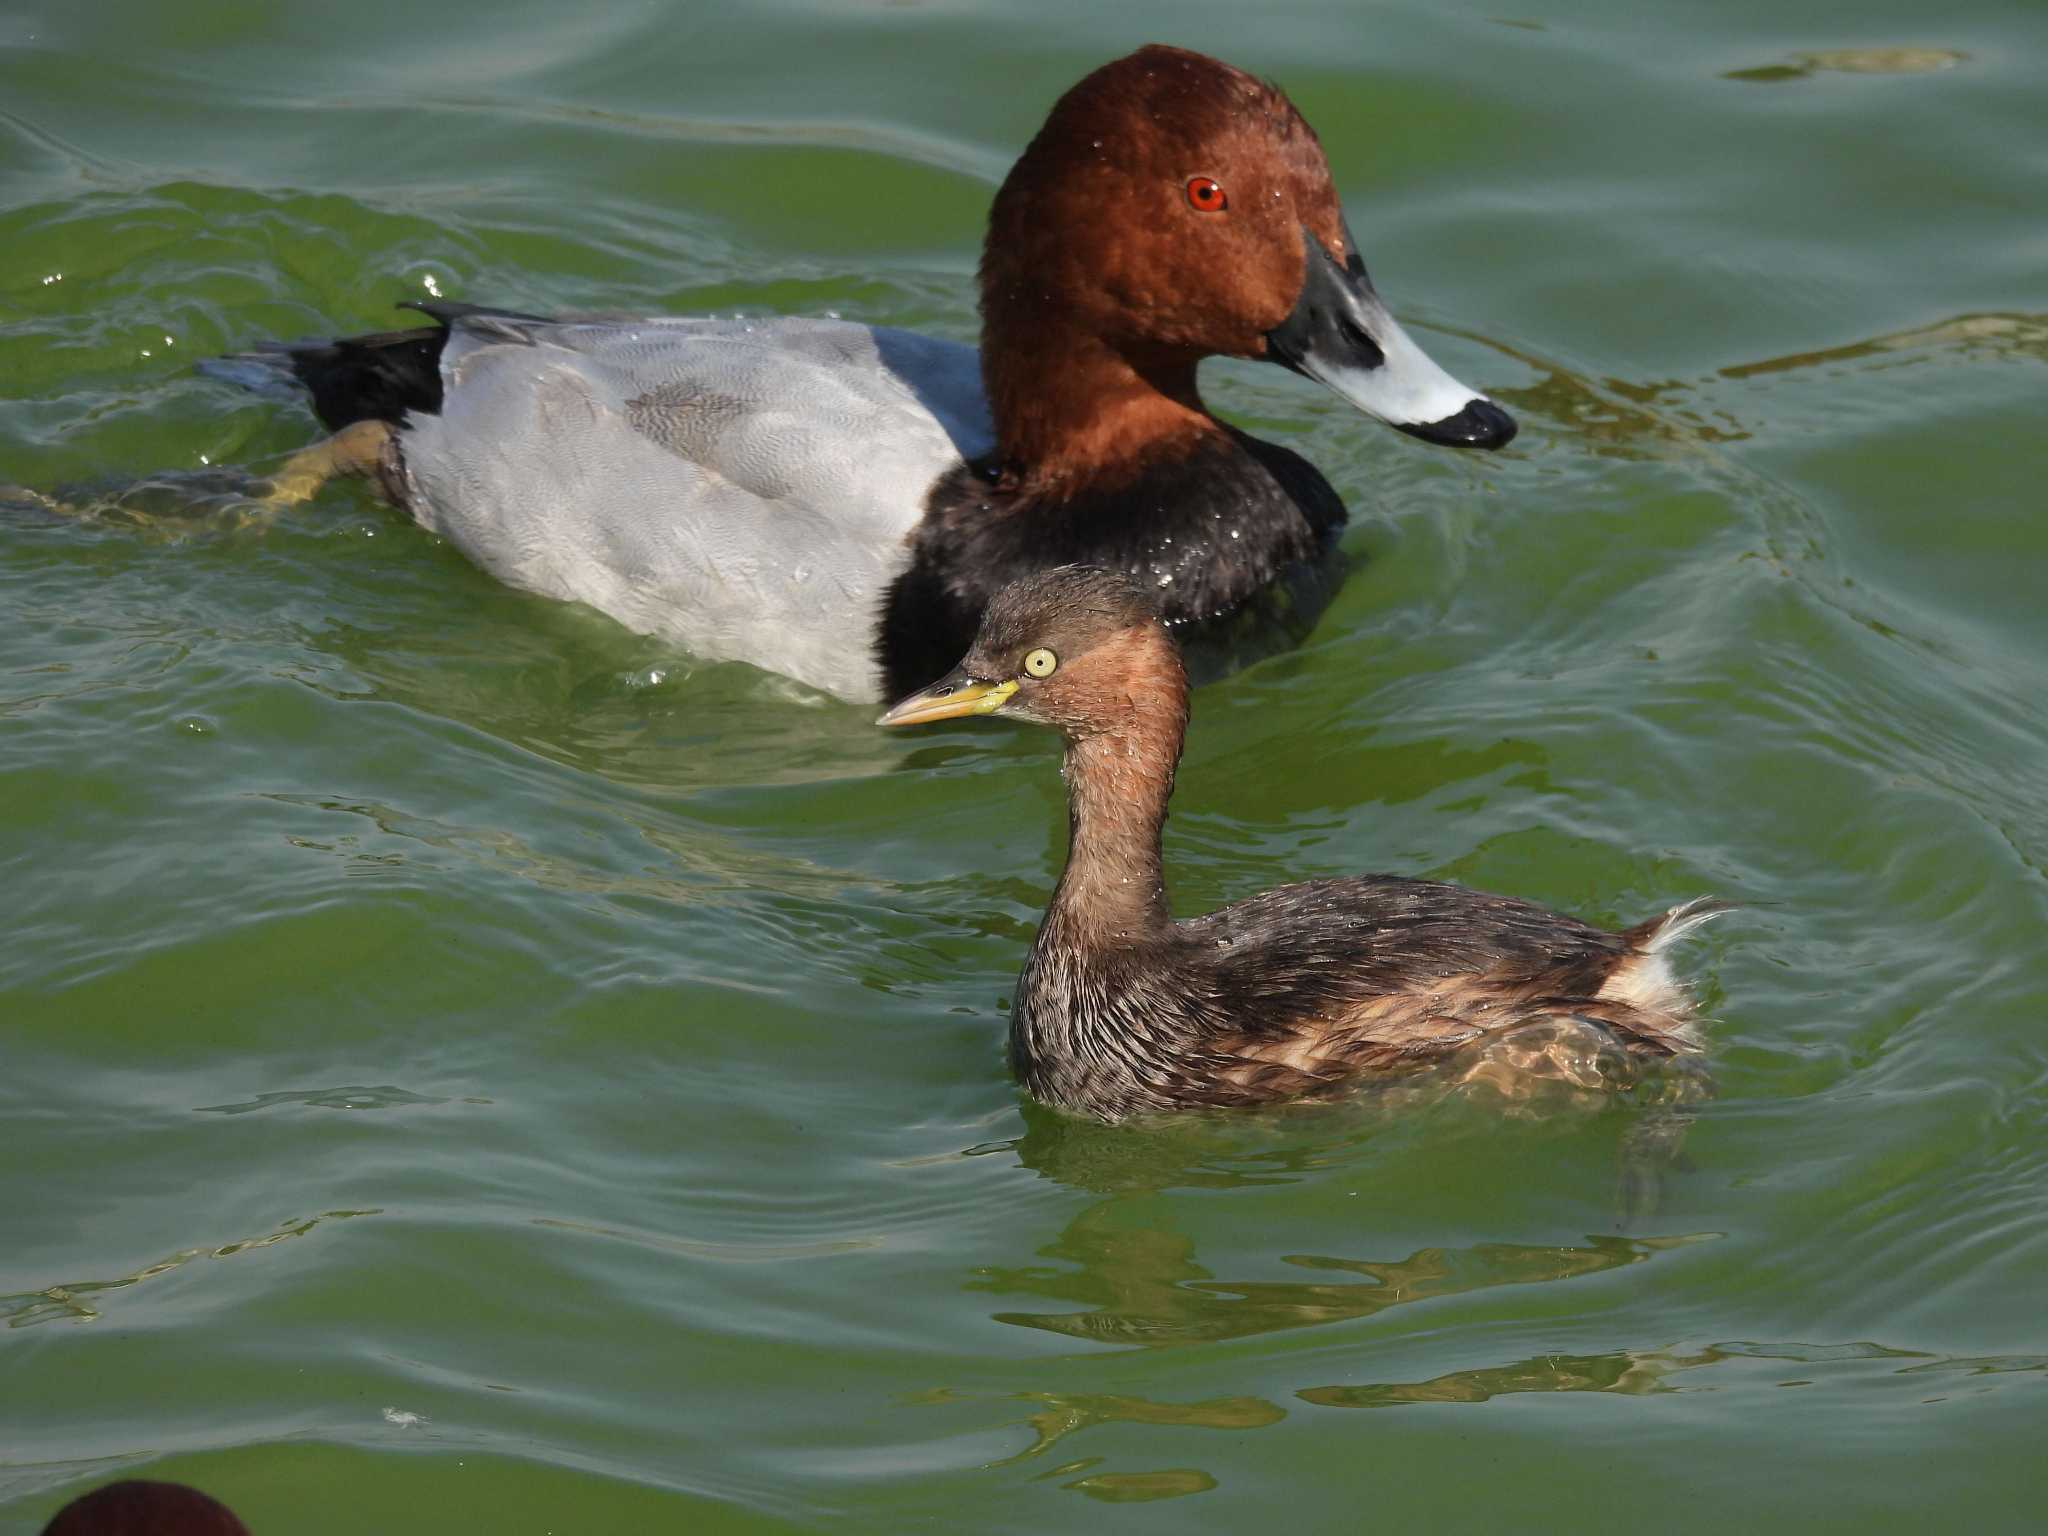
1235 540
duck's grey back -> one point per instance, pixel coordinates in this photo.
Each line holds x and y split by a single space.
743 487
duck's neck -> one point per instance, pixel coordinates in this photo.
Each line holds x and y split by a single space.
1071 409
1112 894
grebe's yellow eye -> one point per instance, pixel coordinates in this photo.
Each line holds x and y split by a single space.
1041 663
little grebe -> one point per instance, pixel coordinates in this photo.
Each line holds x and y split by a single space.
1122 1010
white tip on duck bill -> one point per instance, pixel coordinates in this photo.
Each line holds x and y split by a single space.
1341 334
1408 390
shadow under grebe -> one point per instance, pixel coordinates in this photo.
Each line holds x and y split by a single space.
1124 1276
1557 1071
1143 1287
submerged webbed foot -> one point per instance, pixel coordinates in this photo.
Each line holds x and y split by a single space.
1653 1146
218 496
172 502
357 449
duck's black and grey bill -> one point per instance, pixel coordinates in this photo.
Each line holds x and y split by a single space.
952 697
1342 335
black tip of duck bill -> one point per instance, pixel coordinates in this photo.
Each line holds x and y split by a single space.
952 697
1481 424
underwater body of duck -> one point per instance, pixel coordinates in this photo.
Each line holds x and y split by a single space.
1296 992
837 502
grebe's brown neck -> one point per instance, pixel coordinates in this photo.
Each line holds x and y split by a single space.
1119 779
1072 408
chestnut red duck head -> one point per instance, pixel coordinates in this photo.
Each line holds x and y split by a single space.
1212 227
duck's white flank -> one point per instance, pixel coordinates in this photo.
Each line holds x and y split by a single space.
745 488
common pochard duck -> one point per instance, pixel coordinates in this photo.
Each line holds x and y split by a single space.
838 501
1298 991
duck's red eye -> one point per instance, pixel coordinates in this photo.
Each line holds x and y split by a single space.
1204 196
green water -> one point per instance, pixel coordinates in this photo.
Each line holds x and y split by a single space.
467 1067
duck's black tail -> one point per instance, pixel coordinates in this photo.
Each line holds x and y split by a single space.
358 378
